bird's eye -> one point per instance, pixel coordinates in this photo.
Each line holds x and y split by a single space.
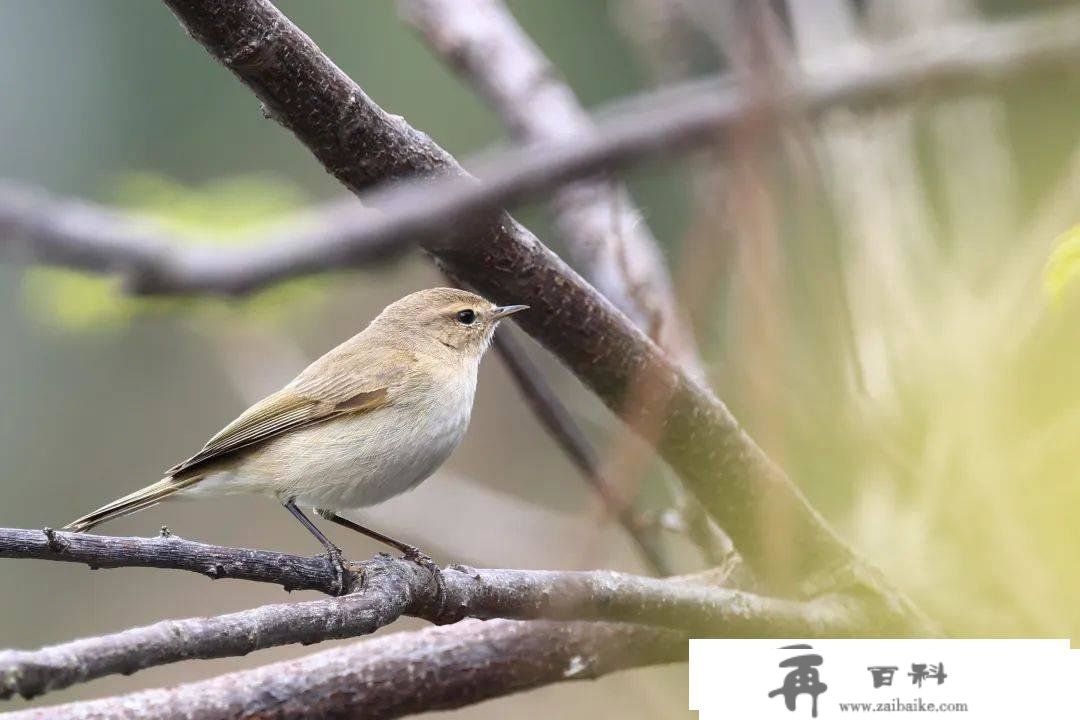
466 317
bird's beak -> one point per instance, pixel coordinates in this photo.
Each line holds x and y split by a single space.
506 310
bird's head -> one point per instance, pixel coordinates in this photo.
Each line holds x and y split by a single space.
458 321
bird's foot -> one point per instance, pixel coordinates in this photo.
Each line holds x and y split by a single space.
413 554
338 570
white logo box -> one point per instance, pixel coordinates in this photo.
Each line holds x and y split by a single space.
971 679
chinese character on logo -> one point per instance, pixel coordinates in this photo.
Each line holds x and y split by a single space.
882 674
922 671
803 680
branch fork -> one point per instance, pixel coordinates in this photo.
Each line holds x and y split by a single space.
382 589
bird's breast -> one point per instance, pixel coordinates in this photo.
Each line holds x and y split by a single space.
367 458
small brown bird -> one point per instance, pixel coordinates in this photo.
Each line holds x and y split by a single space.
368 420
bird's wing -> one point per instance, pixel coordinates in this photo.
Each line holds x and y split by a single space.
317 395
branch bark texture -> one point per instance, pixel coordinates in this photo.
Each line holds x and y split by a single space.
605 235
381 591
398 675
604 231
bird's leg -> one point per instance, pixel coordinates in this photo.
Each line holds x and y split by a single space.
333 552
410 552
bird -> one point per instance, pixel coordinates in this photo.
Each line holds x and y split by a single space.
371 419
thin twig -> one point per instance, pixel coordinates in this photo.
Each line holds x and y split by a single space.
382 590
554 416
560 425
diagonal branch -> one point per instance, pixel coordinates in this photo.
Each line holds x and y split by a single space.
383 589
398 675
604 230
617 253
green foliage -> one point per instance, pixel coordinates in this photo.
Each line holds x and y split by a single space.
226 211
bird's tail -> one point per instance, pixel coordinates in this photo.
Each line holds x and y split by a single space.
139 500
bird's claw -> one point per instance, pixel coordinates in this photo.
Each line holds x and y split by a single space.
337 567
424 560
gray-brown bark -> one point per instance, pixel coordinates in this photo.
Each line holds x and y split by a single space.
397 675
605 236
381 590
605 232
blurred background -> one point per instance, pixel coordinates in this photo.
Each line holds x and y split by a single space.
886 301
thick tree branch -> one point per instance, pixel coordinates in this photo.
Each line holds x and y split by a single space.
604 231
605 235
398 675
382 590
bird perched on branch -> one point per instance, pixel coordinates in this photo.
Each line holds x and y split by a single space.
368 420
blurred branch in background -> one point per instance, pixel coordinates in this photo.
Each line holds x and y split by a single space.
944 61
605 233
939 62
36 227
379 592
